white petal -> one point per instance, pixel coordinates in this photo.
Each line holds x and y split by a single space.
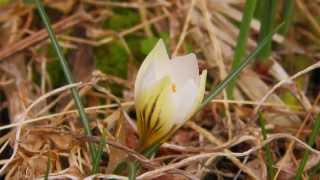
183 68
148 73
188 99
184 100
202 88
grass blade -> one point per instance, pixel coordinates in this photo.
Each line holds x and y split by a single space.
314 171
217 90
46 176
98 154
288 8
67 73
268 154
267 18
311 141
240 50
132 167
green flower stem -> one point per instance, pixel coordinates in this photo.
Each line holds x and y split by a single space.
134 166
67 73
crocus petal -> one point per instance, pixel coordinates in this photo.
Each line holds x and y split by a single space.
167 93
148 72
183 68
184 100
202 88
154 111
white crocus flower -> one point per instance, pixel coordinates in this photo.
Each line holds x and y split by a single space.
167 93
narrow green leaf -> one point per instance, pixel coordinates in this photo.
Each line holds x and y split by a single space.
311 141
268 154
315 171
121 167
240 50
267 19
67 73
98 154
133 168
149 152
288 9
217 90
46 176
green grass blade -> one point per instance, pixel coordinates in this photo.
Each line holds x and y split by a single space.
268 154
217 90
240 50
150 151
46 176
311 141
98 154
315 171
67 73
288 8
267 18
133 168
121 167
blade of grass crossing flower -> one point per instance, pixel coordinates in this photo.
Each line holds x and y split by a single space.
268 154
311 141
217 90
267 18
240 50
288 8
67 73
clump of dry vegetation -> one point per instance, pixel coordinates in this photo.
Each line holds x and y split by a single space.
106 41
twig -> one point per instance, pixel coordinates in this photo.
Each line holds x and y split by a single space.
41 35
203 156
280 83
185 27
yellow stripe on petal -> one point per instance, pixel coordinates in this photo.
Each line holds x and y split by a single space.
149 105
161 120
